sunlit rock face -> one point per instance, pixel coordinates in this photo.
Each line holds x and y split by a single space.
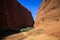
48 17
13 15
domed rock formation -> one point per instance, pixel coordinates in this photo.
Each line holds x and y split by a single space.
47 25
48 17
13 15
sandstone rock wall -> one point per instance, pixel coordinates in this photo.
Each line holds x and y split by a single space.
29 21
48 17
13 15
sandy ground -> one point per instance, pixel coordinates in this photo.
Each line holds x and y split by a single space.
41 37
31 35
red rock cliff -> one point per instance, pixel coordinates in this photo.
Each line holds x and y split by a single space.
13 15
27 16
48 17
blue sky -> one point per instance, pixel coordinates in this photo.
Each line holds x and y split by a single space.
32 5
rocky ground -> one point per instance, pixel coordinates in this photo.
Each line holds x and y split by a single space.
31 35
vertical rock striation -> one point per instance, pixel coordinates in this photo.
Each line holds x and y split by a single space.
29 21
48 17
13 15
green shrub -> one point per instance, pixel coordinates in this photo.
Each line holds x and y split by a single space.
26 29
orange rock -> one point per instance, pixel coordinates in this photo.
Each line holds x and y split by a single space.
48 17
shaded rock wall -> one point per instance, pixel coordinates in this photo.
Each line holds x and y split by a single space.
13 15
29 21
48 17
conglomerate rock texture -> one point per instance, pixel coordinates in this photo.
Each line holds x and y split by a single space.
13 15
48 18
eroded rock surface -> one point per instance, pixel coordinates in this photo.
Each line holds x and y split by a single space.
13 15
48 17
47 25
